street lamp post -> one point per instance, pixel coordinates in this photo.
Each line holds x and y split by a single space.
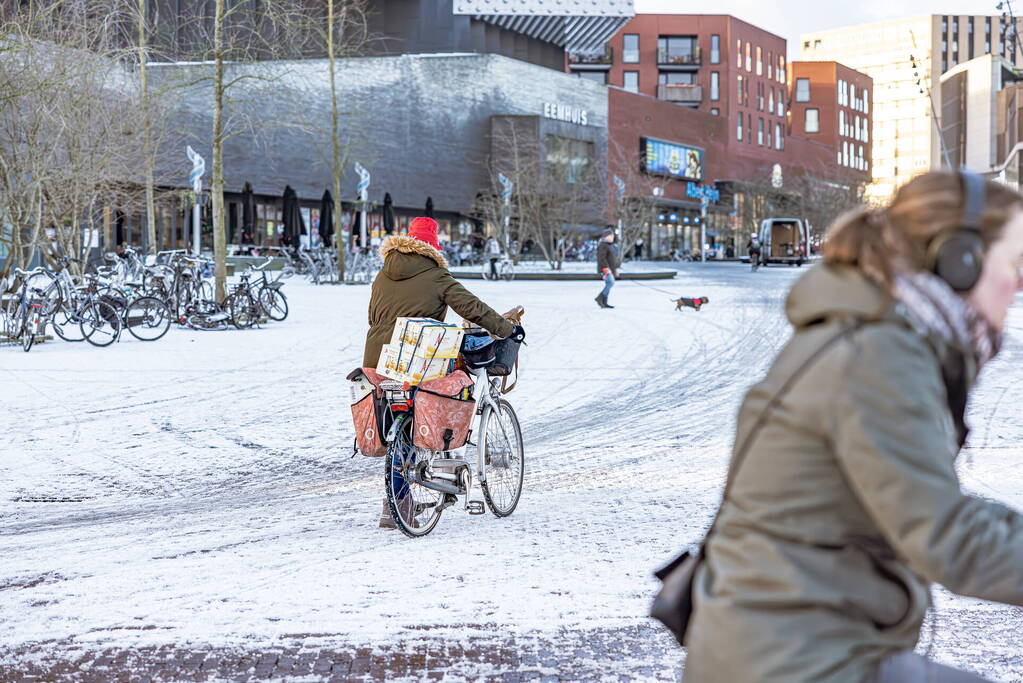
195 178
363 188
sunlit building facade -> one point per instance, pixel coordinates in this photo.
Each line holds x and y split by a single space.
904 57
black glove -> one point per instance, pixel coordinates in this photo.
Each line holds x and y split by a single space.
519 334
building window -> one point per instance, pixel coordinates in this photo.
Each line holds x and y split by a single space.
760 96
569 160
812 121
630 81
781 101
738 130
802 90
676 78
845 153
781 68
841 122
770 66
738 54
740 82
715 86
715 49
749 56
749 127
760 61
779 143
760 131
595 76
770 99
714 111
630 48
677 50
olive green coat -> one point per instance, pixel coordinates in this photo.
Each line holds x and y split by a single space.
847 506
415 283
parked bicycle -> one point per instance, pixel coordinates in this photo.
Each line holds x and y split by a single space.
505 269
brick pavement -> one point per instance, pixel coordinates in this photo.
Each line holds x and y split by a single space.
636 653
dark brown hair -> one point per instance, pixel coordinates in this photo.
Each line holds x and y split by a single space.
876 240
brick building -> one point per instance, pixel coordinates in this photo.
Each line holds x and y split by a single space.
713 63
830 104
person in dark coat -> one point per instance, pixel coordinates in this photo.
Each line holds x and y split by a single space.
607 266
415 283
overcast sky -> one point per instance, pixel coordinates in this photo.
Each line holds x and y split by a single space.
790 18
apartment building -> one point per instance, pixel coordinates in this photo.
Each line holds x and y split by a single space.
906 58
831 104
717 64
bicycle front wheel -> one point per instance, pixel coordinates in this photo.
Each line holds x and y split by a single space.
274 304
507 272
415 508
100 323
65 323
147 318
242 309
503 458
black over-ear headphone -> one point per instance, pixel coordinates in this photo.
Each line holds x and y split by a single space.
957 256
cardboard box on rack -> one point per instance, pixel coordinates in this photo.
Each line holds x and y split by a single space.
426 338
411 368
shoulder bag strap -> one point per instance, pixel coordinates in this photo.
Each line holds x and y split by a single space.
744 448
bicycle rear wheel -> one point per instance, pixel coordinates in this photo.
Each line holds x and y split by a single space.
66 324
243 310
415 508
147 318
503 458
100 323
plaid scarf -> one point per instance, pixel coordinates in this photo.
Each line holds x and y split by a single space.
939 310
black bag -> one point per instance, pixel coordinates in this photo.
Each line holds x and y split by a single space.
673 604
477 357
506 355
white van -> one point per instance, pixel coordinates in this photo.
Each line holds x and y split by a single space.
784 240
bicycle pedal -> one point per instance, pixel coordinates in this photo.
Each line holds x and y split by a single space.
476 507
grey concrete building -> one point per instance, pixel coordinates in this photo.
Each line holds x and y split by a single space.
421 124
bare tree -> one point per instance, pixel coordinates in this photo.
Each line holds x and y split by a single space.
554 187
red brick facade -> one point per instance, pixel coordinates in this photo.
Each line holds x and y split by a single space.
831 105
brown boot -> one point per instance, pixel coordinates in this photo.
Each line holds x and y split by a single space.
386 520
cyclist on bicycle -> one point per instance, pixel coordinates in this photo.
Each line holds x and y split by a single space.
415 282
753 247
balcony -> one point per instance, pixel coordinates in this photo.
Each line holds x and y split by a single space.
675 59
591 61
681 93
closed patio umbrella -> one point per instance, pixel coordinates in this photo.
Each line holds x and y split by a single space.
388 214
326 218
292 217
429 207
248 214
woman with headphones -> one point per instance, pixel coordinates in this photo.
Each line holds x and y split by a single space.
842 504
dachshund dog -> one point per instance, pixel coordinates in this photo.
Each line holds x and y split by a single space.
695 304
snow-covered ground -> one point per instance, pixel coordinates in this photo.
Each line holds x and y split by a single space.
198 492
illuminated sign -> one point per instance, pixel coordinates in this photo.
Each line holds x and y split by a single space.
671 159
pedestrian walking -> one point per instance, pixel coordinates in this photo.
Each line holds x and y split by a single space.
415 283
494 254
607 266
842 505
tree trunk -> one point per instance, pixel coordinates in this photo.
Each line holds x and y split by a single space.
217 185
147 133
335 157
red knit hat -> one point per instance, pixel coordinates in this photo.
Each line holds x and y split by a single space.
425 230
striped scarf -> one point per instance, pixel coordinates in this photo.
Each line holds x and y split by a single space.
939 310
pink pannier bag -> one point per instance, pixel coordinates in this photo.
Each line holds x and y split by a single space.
443 412
367 405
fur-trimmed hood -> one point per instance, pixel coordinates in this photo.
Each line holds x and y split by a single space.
404 268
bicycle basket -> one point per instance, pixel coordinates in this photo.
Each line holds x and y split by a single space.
478 350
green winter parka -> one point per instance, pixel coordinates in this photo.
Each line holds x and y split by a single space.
415 283
847 506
